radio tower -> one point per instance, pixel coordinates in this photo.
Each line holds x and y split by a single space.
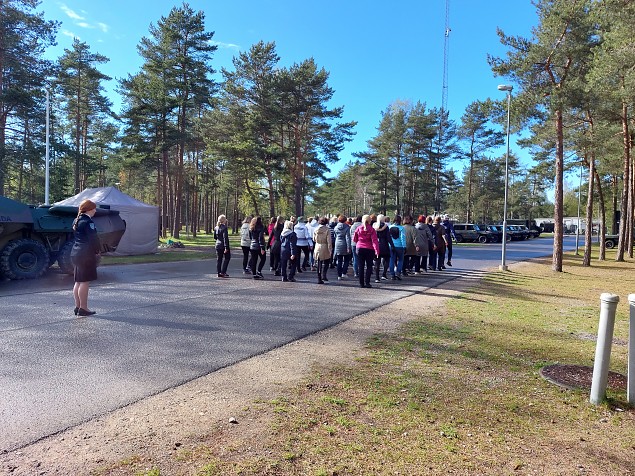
444 105
446 47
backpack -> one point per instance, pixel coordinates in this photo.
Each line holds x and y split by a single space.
394 232
245 235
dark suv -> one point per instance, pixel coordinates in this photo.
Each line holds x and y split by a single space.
511 234
496 233
471 232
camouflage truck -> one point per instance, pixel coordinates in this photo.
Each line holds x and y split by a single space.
33 238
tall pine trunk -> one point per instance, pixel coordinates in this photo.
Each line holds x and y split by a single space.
626 186
558 232
602 205
588 235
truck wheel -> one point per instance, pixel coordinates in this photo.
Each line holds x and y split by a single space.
482 239
64 257
459 238
610 244
24 259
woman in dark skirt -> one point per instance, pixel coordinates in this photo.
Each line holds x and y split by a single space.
84 256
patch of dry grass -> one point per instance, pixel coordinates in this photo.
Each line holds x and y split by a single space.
456 392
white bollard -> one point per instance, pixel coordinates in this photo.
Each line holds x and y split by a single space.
630 387
608 306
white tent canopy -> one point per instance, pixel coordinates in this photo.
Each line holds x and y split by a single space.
142 220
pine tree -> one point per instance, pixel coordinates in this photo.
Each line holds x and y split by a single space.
548 69
24 36
84 101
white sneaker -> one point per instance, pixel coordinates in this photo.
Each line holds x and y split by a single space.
339 278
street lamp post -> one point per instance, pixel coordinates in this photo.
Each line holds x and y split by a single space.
46 165
503 265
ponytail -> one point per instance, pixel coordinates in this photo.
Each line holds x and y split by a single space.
86 206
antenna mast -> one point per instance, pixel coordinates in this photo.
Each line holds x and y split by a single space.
444 105
446 47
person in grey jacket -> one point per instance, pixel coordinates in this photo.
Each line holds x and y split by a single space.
342 249
412 246
423 240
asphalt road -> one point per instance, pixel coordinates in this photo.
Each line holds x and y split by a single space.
160 325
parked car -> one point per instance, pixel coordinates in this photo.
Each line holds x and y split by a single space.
532 228
518 232
533 232
495 233
499 232
471 232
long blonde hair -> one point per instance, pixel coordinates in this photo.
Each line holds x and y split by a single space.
222 219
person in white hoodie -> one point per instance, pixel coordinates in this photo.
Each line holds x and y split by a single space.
245 243
305 243
312 226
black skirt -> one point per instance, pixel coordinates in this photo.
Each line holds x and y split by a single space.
85 267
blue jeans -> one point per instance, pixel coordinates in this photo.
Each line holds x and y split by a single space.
396 260
355 260
342 264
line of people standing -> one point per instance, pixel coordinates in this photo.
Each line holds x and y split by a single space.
371 242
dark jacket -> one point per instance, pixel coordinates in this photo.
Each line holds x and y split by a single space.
274 237
332 226
222 237
86 240
440 237
449 230
385 241
411 239
288 244
257 236
433 242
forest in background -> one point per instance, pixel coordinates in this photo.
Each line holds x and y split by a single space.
262 140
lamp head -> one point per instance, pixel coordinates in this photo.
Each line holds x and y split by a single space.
505 87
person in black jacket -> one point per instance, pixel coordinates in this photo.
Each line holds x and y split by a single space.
84 256
258 249
274 245
223 252
385 247
288 252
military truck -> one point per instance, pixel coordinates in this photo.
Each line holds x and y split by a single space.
33 238
532 231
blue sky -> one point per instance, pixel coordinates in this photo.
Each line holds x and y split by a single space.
375 52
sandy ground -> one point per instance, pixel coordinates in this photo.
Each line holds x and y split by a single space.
161 425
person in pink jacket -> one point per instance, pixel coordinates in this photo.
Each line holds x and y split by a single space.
367 245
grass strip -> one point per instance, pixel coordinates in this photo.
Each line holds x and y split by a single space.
458 391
